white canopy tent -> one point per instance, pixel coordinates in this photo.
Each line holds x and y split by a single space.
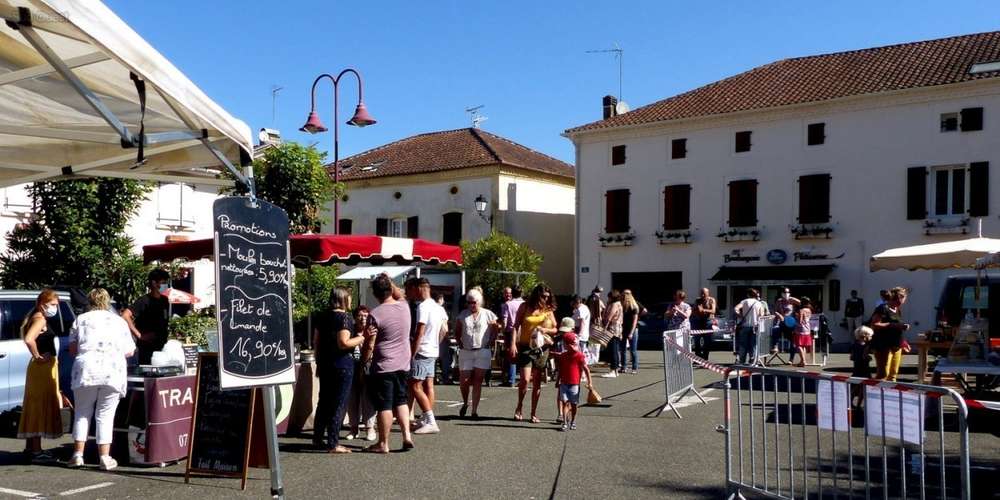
83 95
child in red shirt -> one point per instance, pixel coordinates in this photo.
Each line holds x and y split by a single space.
571 364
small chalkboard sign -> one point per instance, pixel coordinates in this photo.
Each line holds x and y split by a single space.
190 356
253 296
221 427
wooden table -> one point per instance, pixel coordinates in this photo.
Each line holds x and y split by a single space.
923 347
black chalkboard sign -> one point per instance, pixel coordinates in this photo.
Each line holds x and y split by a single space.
221 427
190 355
252 293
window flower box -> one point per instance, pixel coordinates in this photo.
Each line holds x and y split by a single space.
812 231
667 237
946 226
739 234
616 239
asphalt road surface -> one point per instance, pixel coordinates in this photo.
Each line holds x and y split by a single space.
619 451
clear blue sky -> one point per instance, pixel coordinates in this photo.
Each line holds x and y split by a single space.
424 62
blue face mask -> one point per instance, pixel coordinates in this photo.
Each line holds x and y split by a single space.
164 288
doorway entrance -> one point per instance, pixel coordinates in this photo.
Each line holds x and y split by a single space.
650 288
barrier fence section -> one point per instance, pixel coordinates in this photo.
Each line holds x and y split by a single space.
763 341
678 370
797 434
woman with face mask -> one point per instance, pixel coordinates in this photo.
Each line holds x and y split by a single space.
40 415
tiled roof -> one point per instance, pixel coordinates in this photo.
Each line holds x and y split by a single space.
447 150
824 77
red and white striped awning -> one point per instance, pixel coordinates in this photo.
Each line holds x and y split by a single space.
308 249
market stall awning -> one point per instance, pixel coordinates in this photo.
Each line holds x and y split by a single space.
945 255
309 249
82 94
781 274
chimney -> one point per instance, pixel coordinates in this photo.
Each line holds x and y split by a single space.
609 103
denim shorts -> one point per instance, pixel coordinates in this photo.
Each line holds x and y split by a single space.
422 368
570 393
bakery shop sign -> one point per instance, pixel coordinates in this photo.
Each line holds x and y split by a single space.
737 256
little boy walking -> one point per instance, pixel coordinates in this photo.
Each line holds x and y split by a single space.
571 364
861 357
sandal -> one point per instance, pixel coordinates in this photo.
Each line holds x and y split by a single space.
375 449
535 419
338 450
407 445
518 416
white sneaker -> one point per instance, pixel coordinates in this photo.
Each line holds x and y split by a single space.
75 461
427 429
108 463
372 435
610 375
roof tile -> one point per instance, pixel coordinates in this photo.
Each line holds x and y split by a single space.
447 150
824 77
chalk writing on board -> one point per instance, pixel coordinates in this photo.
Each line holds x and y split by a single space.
252 290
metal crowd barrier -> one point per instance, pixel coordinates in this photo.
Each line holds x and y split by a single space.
678 370
797 434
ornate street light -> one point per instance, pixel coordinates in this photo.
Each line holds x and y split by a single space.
314 125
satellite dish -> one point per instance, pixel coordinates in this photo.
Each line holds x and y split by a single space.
621 108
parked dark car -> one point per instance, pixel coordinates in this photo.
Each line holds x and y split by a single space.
958 297
652 325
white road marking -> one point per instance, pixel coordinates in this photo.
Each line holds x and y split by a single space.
693 400
85 488
20 493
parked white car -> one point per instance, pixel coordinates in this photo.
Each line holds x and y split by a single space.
14 355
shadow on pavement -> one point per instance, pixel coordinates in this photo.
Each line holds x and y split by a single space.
537 427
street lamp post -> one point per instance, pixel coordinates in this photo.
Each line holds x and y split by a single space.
481 206
313 125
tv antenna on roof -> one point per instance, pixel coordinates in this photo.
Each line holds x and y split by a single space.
477 118
619 55
274 103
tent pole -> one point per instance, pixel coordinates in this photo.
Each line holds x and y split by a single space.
309 318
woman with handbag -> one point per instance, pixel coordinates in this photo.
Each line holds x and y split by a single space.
887 343
613 318
536 318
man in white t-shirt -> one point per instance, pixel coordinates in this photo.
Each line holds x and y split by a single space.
749 313
581 315
425 348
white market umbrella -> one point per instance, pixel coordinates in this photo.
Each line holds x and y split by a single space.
81 93
946 255
956 254
176 296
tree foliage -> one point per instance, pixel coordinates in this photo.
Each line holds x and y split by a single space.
499 252
292 176
77 238
323 279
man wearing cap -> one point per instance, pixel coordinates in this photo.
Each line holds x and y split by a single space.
571 364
